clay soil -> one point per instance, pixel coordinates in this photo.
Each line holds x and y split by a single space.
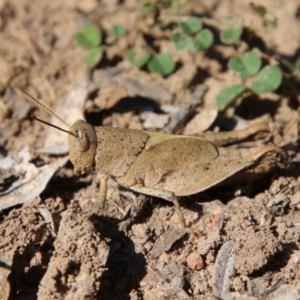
241 241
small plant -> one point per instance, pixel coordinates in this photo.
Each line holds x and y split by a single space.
247 65
118 31
191 36
267 79
138 61
229 95
268 18
232 35
162 64
91 38
188 33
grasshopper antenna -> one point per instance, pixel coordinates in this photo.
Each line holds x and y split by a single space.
35 101
51 125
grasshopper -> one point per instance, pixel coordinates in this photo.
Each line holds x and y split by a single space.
162 165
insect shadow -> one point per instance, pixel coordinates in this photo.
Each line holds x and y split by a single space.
125 267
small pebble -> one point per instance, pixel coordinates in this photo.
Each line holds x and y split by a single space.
195 261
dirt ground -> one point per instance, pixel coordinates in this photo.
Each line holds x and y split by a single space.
241 240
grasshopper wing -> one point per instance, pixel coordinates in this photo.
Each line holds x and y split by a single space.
186 166
164 155
201 176
173 152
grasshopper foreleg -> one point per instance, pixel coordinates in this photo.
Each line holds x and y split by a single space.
102 192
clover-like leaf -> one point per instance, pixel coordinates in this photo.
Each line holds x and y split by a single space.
247 65
191 26
232 35
118 31
268 80
162 64
203 40
181 41
140 61
229 95
94 56
89 37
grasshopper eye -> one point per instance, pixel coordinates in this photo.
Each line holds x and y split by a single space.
82 146
82 140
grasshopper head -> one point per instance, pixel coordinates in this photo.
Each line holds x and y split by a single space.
82 146
82 138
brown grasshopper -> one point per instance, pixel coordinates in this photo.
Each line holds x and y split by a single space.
162 165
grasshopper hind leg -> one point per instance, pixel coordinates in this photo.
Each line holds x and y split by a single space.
167 195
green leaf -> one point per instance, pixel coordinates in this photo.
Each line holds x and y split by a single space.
163 4
297 64
203 40
268 80
247 65
230 94
89 37
146 8
138 62
118 31
269 17
261 10
191 26
286 66
94 56
181 41
163 25
231 36
162 64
